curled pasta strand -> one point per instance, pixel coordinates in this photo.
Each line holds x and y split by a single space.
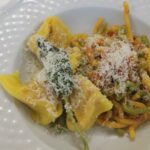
137 104
112 124
100 26
119 109
127 21
126 121
131 132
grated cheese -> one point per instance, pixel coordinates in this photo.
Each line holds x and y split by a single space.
117 64
41 76
79 96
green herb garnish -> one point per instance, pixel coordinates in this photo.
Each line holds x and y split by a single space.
60 77
58 69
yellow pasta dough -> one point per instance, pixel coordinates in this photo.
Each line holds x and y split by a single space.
52 30
88 103
34 96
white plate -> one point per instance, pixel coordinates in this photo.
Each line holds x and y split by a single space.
18 20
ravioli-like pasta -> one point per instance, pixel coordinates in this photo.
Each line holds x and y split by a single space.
75 55
88 103
53 30
34 96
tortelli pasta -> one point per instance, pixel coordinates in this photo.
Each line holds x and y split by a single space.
102 78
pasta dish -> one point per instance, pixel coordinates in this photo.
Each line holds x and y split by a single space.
83 80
